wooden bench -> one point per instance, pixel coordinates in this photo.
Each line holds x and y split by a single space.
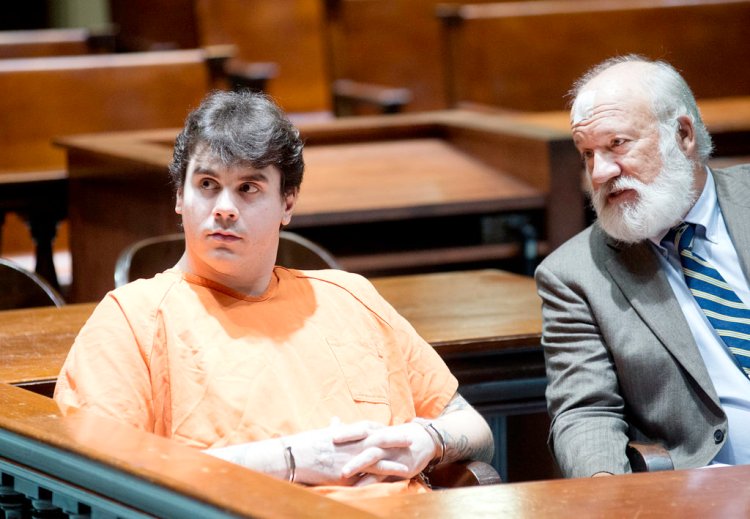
288 33
526 55
392 46
48 97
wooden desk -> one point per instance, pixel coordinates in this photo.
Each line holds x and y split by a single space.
698 493
383 193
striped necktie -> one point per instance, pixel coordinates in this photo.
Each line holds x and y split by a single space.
725 311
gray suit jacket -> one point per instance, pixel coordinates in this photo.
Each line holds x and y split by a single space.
621 361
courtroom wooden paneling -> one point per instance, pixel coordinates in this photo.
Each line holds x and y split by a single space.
48 97
526 55
378 191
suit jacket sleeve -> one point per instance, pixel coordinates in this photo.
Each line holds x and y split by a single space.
588 433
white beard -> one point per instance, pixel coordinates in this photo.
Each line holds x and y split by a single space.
659 205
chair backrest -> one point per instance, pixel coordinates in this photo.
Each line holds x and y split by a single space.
20 288
297 252
146 258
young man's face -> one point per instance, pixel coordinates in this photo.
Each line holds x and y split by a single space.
232 216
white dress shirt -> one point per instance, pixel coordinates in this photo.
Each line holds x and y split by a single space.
712 242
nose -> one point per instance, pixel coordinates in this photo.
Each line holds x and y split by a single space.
603 168
225 207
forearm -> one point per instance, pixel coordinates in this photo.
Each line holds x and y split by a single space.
267 456
463 431
314 457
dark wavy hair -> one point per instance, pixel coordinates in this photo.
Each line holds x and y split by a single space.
241 128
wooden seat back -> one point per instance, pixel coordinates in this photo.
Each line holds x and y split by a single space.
289 33
526 55
390 43
48 97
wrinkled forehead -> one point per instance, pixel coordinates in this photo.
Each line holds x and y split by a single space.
620 86
596 103
583 107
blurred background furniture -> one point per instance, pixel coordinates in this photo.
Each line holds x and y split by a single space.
146 258
20 288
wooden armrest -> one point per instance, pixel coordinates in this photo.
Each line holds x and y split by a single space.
250 75
348 93
463 474
648 457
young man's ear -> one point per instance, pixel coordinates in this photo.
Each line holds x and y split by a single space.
290 202
178 202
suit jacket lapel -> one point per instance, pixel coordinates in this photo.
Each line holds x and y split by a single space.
636 271
734 200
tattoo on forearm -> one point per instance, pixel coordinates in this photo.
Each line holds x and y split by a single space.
456 404
459 448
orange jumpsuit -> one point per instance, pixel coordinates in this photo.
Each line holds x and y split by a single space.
192 360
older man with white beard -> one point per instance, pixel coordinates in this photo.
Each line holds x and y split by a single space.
630 352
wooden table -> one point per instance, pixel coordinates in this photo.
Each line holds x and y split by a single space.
698 493
383 193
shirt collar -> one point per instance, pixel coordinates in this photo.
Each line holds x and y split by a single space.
705 211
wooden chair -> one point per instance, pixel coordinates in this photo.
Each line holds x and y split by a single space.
20 288
648 457
145 258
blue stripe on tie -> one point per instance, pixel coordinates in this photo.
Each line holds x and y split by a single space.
724 310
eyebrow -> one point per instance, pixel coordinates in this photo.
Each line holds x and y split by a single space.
258 176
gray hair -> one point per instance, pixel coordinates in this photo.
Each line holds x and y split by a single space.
670 95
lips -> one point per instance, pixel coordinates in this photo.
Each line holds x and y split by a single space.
224 237
621 195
